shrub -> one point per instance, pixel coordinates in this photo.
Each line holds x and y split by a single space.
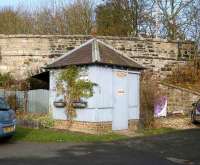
6 80
46 121
185 73
12 101
149 93
43 120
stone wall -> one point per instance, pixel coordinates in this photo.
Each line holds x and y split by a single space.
179 99
91 127
23 55
86 127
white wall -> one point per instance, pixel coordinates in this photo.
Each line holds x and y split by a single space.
58 113
101 104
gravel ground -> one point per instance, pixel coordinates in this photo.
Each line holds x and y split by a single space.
176 122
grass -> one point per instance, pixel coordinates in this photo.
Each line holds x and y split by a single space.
45 135
157 131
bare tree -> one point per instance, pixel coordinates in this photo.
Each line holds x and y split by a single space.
55 18
172 17
79 16
10 21
193 27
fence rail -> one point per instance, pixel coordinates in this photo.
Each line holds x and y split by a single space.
32 101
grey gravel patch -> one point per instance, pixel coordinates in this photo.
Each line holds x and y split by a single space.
26 150
100 150
162 152
180 161
80 153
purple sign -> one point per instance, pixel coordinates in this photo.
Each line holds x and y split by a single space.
160 107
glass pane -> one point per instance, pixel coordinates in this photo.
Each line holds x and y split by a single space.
3 104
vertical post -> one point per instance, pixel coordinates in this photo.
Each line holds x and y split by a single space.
4 94
25 101
15 100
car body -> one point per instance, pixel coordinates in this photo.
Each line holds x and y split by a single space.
7 119
195 114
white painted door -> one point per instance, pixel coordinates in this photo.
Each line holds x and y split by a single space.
120 104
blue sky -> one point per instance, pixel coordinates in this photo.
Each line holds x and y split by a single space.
31 3
27 3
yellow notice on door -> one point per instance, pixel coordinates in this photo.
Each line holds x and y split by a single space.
121 74
121 92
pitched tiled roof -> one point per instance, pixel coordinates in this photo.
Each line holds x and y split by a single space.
94 52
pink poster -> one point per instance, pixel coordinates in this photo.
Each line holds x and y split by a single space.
160 107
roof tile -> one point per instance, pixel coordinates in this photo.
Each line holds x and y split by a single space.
85 53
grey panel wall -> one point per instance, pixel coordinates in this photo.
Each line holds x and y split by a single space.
38 101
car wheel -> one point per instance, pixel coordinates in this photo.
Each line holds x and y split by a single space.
193 117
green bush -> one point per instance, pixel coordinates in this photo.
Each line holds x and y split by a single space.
44 120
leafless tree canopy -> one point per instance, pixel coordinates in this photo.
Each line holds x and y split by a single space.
171 19
65 18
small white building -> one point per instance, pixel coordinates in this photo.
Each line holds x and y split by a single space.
115 103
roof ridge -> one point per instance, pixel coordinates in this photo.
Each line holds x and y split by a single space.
95 51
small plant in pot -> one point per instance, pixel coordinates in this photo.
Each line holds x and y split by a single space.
74 88
59 103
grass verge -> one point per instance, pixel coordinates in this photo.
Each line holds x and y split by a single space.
156 131
45 135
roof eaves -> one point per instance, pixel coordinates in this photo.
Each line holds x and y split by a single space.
118 65
68 65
